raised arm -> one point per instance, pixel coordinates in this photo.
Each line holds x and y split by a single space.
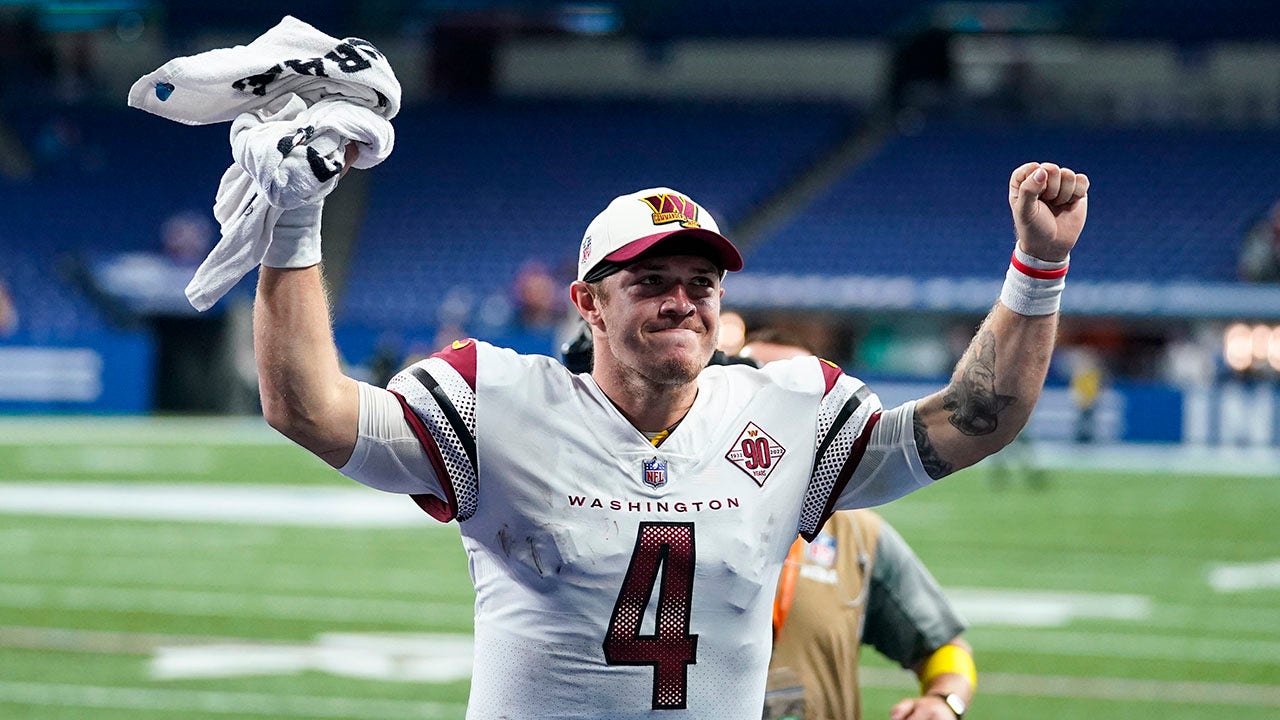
304 393
998 380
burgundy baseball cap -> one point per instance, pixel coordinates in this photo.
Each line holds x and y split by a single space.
634 224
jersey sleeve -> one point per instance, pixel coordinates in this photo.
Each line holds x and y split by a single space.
908 617
864 455
438 399
387 455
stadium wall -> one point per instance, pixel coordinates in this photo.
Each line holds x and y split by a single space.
100 372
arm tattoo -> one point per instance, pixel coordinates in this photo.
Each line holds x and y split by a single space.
929 458
972 397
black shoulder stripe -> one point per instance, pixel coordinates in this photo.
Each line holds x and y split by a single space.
446 405
850 406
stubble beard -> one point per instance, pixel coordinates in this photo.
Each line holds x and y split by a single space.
676 372
681 371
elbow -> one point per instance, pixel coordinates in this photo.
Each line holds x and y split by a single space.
291 413
282 417
324 422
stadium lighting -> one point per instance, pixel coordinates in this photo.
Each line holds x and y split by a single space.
1245 347
1238 347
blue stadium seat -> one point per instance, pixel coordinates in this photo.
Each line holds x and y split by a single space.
471 193
1168 204
104 180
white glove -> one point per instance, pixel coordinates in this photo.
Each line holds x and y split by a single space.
295 240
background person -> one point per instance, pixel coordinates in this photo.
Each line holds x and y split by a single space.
8 312
856 583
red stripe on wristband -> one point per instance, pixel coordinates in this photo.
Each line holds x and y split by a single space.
1038 274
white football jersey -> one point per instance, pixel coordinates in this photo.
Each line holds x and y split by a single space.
618 580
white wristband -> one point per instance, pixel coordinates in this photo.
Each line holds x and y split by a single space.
295 240
1033 286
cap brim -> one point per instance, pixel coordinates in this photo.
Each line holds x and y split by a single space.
691 241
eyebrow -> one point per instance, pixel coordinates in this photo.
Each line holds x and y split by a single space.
658 265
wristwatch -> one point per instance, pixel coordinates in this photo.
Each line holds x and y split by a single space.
955 702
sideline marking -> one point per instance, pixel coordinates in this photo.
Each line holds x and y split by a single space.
58 431
1237 577
387 657
1039 608
1138 646
282 505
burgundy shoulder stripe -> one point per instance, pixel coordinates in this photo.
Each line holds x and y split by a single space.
831 374
461 355
442 510
846 473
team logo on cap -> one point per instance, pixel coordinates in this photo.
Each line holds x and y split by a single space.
586 249
668 208
655 472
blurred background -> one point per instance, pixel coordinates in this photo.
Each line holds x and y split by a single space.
163 554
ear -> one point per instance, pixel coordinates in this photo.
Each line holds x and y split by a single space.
586 302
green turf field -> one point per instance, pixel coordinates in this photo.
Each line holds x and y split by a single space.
1103 595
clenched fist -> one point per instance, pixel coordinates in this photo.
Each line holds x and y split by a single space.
1049 206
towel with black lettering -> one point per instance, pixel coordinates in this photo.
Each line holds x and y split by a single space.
290 58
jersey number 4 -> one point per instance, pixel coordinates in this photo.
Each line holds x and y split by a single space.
664 549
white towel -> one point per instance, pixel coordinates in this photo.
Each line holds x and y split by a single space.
297 96
246 219
296 156
284 159
290 58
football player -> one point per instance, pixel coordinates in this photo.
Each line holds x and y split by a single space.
857 583
625 529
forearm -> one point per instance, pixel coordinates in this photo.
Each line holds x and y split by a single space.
949 671
991 395
304 392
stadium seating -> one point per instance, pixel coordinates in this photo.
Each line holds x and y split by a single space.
103 181
1168 204
471 193
474 191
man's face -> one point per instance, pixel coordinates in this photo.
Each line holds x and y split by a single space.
660 317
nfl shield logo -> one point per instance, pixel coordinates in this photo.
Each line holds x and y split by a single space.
655 472
822 551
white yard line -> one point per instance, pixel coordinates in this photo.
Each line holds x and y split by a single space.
1097 688
1240 577
222 703
1170 459
1043 608
56 431
279 505
1138 646
236 605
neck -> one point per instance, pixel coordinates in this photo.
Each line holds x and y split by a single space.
650 407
